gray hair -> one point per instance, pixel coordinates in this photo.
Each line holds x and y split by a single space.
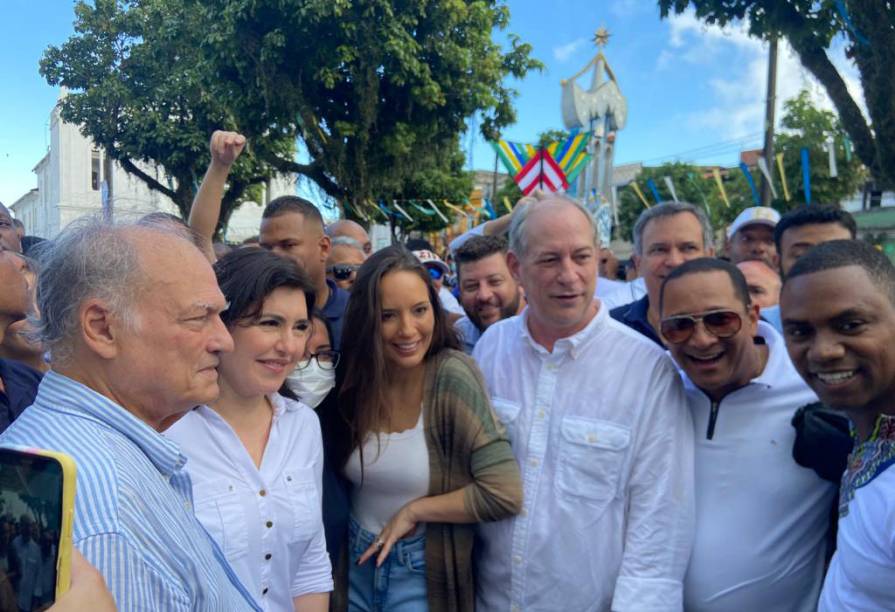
88 259
669 209
347 241
518 236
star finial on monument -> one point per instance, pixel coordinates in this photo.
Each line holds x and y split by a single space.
601 37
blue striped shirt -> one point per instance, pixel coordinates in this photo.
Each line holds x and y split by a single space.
133 506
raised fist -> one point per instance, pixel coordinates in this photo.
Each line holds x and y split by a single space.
226 147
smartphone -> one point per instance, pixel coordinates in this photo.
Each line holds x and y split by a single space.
37 500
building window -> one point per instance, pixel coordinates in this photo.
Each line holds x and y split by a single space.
95 173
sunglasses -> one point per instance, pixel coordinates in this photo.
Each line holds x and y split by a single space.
435 273
719 323
343 271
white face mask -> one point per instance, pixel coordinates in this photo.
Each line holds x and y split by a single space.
311 384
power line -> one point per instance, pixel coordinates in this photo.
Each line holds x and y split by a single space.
709 149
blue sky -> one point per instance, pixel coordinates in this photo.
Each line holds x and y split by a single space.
694 93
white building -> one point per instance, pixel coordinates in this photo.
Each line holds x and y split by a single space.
70 185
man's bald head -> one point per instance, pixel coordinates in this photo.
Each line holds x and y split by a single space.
353 230
764 282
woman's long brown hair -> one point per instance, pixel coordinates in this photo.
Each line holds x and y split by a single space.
362 374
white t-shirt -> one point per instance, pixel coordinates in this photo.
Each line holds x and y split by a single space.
267 521
396 471
468 332
761 519
861 577
449 302
625 294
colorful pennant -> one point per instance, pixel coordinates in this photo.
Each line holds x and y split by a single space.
748 174
639 193
542 172
670 185
717 174
652 185
783 177
766 172
806 175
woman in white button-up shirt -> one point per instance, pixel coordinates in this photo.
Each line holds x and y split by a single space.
254 456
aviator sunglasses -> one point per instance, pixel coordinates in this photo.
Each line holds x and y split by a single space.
719 323
343 271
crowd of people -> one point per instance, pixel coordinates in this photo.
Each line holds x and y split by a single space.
306 424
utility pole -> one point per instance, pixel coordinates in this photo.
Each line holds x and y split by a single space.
770 104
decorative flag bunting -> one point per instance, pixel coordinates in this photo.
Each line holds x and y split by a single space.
507 205
766 172
542 172
438 212
670 186
806 175
514 155
755 197
783 177
831 152
639 193
846 141
843 12
486 204
401 210
717 174
652 185
454 208
692 178
571 155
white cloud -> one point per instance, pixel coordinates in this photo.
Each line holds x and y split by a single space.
738 102
629 8
564 52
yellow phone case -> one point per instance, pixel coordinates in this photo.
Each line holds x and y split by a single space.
69 476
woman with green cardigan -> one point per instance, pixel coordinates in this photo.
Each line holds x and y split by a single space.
423 455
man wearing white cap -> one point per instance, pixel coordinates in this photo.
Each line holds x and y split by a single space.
438 270
751 236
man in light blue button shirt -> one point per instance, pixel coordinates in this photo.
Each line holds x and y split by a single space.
130 314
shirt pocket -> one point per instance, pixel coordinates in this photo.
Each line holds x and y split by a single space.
304 501
220 510
507 414
592 453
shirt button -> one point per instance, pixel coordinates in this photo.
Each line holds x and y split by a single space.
267 557
517 559
524 512
541 414
592 438
269 524
533 462
515 608
262 492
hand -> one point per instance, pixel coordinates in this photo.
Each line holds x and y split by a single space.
399 526
88 590
226 147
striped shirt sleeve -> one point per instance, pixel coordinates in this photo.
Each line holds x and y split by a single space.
134 584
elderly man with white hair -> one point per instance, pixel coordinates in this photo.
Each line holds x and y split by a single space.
598 422
131 317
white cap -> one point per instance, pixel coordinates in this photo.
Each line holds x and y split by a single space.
428 258
756 215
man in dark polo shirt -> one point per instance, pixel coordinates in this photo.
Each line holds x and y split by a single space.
665 236
18 382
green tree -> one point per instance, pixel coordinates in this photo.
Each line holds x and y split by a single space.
804 125
693 184
378 90
135 88
810 26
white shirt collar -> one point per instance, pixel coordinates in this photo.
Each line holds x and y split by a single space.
573 344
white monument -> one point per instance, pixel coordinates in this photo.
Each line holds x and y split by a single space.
602 110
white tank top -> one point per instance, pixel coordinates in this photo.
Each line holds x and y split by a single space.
396 471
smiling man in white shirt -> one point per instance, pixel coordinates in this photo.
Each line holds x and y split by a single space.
598 423
761 519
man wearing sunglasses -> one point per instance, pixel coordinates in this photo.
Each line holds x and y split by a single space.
344 259
761 519
838 307
665 236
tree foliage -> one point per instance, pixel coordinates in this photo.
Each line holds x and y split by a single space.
376 91
135 88
804 125
810 27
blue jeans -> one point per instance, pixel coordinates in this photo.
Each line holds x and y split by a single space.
399 585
